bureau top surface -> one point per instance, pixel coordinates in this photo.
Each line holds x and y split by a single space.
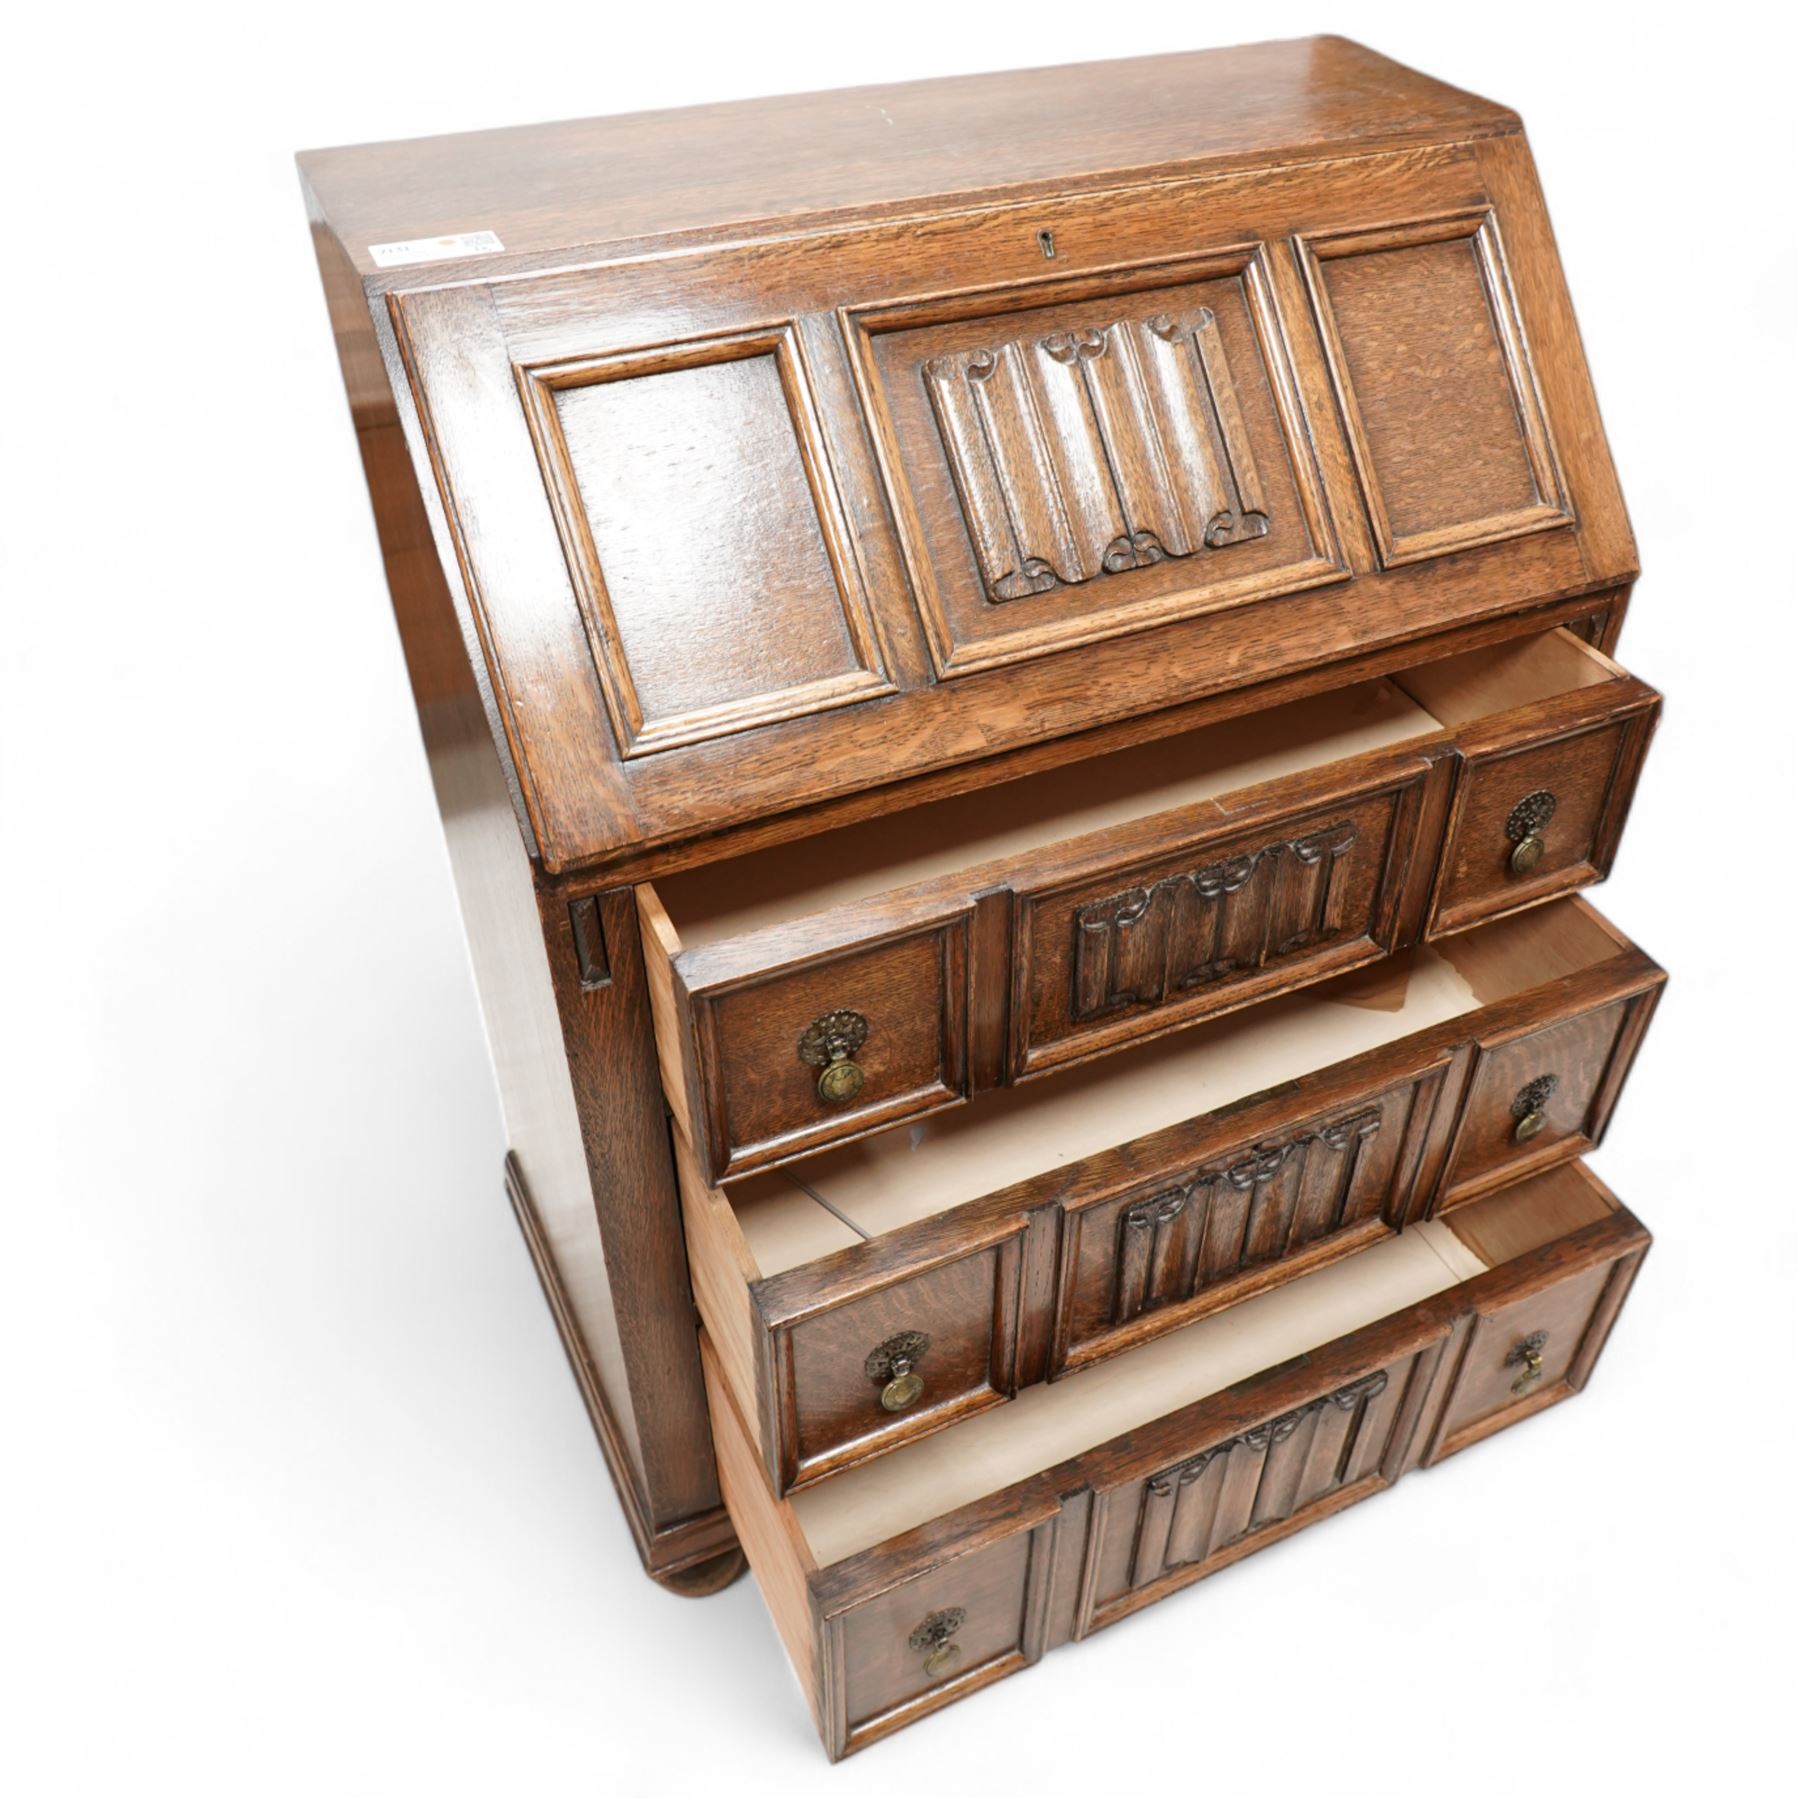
704 169
795 449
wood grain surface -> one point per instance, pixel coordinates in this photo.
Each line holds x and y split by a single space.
1160 1506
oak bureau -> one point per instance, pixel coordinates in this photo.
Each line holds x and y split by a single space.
1020 673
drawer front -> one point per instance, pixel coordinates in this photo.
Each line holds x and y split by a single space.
965 1621
1229 1496
1541 1095
842 1044
1522 1354
1538 819
1262 1210
1133 951
1041 957
1053 1274
897 1360
903 1626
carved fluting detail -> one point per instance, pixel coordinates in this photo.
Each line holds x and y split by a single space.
1261 1477
1096 450
1255 1209
1146 944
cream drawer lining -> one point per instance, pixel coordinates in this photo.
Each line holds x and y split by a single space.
748 893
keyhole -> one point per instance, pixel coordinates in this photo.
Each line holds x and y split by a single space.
1047 242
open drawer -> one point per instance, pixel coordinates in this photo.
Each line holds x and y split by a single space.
810 993
883 1291
910 1583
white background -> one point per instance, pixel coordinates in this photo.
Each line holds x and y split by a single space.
299 1496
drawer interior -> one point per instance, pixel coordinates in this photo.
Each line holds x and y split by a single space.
767 888
840 1197
1048 1425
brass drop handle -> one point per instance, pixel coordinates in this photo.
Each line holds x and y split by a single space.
1525 827
829 1044
1529 1117
934 1640
894 1365
1527 1355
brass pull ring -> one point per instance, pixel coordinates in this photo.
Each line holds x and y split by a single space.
1528 1107
1527 1355
1525 826
894 1365
829 1044
933 1639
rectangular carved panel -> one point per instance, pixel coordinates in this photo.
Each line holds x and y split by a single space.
1097 450
1082 457
1222 919
1263 1477
1256 1209
1128 951
1435 385
1290 1192
707 616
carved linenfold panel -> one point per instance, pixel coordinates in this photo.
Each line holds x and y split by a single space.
1096 450
1265 1475
1148 943
1255 1209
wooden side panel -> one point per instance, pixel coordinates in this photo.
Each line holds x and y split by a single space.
568 1024
610 1045
722 1274
772 1540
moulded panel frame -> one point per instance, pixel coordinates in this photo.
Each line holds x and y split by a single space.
1637 1007
779 1307
541 381
1410 1365
701 992
1421 1094
1248 262
1629 711
1402 779
1480 226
